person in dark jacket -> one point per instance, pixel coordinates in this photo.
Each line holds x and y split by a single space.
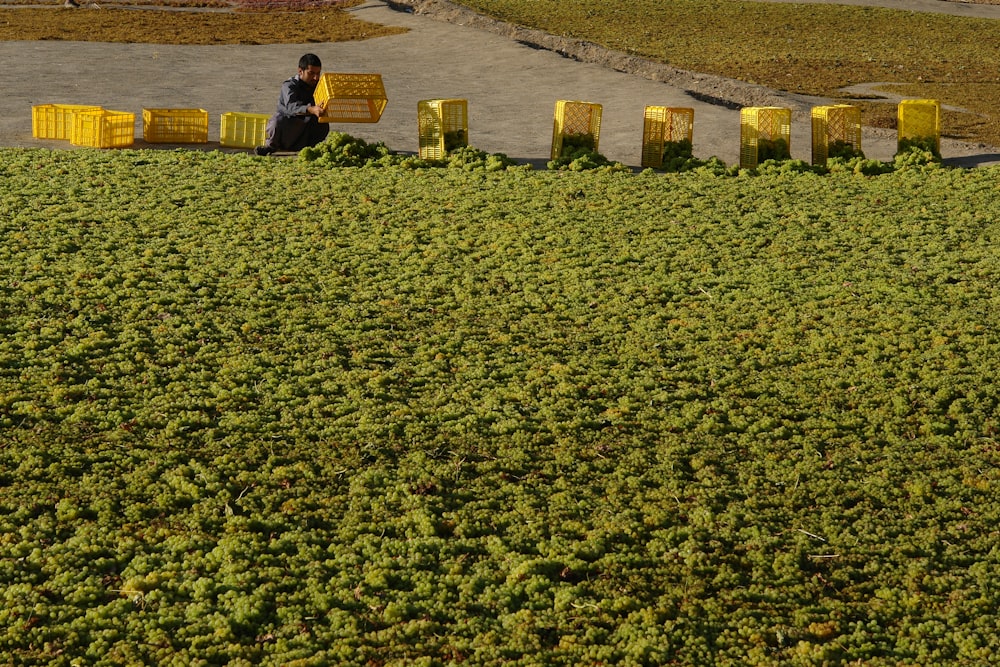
296 123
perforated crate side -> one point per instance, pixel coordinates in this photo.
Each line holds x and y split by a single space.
919 119
443 125
55 121
660 126
351 98
102 128
242 130
175 126
759 124
832 125
575 119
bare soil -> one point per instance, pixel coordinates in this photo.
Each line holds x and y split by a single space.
195 25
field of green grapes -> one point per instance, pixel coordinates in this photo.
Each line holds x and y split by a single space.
269 412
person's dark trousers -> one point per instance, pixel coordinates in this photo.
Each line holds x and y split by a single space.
293 133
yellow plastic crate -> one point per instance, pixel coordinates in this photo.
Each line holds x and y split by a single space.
351 98
443 126
765 133
175 126
661 127
101 128
837 126
576 124
919 120
243 130
55 121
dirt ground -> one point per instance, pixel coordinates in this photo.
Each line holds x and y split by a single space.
511 78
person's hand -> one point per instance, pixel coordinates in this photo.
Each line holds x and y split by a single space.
318 110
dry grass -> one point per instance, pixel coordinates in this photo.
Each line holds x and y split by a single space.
318 23
813 49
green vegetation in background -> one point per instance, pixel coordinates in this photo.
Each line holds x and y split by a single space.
814 49
263 412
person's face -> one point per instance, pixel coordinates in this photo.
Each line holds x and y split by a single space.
310 75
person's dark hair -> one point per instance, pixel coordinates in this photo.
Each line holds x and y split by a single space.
309 60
